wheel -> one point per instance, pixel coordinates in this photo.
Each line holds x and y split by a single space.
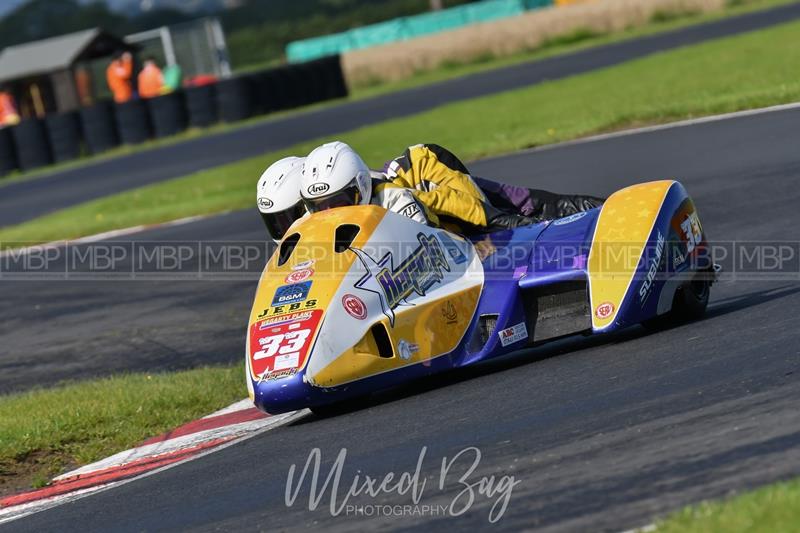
690 303
691 300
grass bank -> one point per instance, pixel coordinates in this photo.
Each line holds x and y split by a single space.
746 71
769 509
47 430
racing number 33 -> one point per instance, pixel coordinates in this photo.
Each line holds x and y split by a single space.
692 232
280 349
282 344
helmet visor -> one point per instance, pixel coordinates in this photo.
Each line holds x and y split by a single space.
277 223
348 196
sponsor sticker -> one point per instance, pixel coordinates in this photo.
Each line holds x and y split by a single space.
282 362
304 265
281 349
604 310
513 334
678 259
298 276
290 308
354 306
570 219
290 294
293 317
652 270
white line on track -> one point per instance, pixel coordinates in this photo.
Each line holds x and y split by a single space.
106 235
17 512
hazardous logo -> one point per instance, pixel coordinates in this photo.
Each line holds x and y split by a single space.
418 272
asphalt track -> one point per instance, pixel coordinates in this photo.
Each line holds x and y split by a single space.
602 434
25 200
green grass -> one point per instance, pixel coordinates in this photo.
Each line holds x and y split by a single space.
741 72
572 42
769 509
47 429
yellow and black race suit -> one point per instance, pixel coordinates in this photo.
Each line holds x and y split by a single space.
442 184
445 187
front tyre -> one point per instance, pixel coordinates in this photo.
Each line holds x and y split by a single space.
689 304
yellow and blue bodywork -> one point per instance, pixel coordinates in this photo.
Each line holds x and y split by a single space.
359 299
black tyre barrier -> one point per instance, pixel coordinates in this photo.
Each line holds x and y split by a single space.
99 130
296 85
200 106
277 89
167 114
259 91
133 123
234 99
334 75
313 75
8 157
64 134
255 84
30 143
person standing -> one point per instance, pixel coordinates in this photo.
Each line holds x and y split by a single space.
151 80
118 77
9 116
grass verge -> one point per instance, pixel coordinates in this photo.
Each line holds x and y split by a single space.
567 43
772 508
45 431
746 71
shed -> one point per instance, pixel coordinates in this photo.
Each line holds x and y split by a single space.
42 74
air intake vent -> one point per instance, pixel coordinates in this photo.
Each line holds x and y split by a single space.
382 340
287 247
486 326
557 310
345 235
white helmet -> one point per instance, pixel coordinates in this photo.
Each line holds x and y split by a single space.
334 175
278 194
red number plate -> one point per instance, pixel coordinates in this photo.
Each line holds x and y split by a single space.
279 345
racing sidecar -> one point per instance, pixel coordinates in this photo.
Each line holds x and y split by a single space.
358 299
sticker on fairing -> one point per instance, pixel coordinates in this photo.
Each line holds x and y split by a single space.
280 349
296 276
513 334
291 294
571 218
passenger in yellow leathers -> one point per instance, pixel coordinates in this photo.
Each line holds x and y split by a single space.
444 185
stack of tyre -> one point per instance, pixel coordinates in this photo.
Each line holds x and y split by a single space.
104 125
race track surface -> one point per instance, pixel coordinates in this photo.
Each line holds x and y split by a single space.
601 433
25 200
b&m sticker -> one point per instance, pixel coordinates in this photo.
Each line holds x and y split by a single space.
291 294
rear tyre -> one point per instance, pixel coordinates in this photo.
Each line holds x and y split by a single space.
690 303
